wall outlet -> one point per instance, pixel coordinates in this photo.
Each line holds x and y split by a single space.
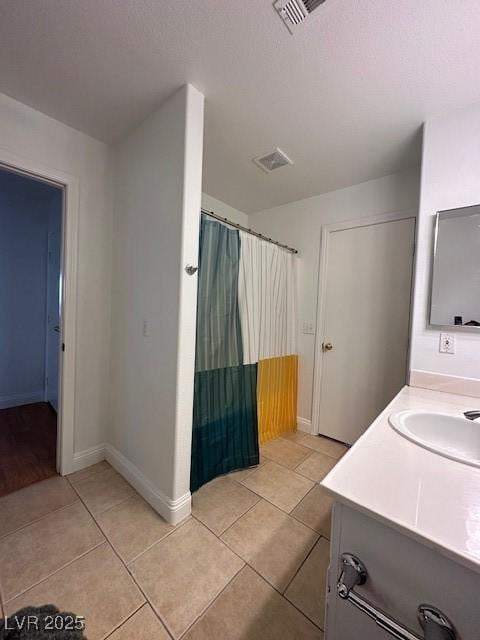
308 328
447 343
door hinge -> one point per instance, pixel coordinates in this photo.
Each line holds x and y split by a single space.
63 346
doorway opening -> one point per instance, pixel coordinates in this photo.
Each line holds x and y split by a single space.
31 249
363 328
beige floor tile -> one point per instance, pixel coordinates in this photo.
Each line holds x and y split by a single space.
78 476
250 609
143 625
183 573
308 589
272 542
293 436
278 485
132 527
315 511
35 552
243 473
27 505
96 586
220 502
324 445
104 490
316 466
285 452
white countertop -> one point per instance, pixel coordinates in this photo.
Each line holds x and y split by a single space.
422 493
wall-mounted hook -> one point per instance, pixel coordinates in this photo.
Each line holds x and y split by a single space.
191 270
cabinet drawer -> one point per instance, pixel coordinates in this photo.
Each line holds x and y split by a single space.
402 573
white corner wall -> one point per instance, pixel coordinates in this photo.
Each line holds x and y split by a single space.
156 226
224 210
28 136
299 224
450 179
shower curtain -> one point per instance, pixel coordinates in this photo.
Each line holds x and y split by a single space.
268 323
246 364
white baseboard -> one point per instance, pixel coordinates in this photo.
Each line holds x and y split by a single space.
83 459
304 425
22 398
173 511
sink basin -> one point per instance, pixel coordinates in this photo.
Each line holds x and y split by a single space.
450 436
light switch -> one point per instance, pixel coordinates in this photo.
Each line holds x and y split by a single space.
447 343
146 329
308 328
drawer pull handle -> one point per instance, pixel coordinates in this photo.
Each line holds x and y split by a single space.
435 624
353 574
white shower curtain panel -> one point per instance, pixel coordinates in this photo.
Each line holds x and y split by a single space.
267 300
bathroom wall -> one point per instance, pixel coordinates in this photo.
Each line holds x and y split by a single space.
156 226
29 136
298 224
224 210
450 179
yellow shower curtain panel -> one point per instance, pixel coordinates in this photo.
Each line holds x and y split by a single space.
277 396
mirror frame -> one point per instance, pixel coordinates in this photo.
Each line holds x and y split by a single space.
448 213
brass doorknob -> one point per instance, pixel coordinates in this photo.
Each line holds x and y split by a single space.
327 346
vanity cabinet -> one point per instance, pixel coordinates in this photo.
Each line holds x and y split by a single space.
402 574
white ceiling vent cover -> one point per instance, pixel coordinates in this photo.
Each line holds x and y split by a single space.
293 12
272 161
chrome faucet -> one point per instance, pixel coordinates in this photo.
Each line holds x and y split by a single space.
472 415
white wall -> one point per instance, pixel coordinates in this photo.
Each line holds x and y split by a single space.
450 179
224 210
28 135
156 225
25 208
298 224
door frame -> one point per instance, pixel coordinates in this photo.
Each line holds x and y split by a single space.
47 332
326 232
68 287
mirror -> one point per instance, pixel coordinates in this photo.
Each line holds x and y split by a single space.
455 299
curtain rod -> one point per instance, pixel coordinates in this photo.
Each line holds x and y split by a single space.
211 214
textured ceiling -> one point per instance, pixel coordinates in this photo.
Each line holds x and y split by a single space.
344 97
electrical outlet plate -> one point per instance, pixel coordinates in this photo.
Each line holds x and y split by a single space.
447 343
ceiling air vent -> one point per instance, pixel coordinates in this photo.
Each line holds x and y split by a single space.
293 12
272 161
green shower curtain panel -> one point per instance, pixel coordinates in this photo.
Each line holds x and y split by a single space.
225 434
219 337
225 429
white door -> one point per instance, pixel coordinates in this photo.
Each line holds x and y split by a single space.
366 324
53 318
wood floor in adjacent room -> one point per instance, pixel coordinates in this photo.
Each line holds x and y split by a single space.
28 442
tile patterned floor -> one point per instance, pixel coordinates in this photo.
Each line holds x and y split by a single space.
250 564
